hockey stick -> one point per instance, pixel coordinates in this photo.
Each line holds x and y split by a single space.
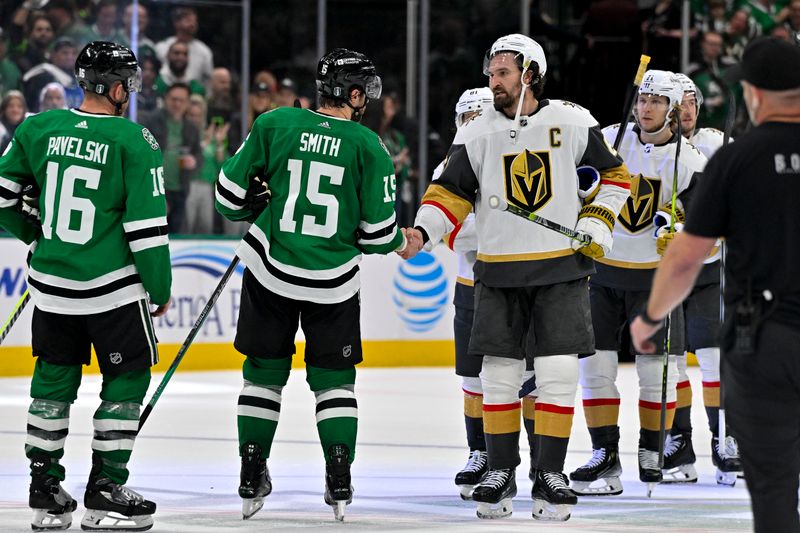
627 109
189 338
15 313
495 202
662 423
726 138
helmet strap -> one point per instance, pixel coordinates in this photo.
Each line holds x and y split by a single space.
118 103
515 126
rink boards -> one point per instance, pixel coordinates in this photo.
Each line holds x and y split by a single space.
406 313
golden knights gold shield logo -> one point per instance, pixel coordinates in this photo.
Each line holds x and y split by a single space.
641 206
528 180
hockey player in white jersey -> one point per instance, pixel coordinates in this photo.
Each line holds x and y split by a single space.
620 287
531 292
701 311
463 241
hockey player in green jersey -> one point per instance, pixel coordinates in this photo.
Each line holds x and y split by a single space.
100 249
332 189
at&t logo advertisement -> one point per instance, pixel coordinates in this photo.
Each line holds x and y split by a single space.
421 292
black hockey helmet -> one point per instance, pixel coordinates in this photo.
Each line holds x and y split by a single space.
341 69
101 63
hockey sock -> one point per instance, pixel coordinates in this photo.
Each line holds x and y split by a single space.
598 376
116 421
260 400
473 413
53 389
650 370
529 420
337 409
708 358
682 423
556 384
501 379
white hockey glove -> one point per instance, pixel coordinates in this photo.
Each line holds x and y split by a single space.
596 221
588 183
664 236
663 217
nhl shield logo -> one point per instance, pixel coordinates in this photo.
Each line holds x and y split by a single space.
641 206
115 358
528 180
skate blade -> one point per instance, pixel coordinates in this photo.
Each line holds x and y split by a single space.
95 520
679 474
44 520
501 509
339 509
650 488
726 478
251 506
465 491
548 512
606 486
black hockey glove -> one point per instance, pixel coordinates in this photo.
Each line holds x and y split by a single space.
28 204
258 196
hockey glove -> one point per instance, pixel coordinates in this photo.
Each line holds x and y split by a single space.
664 236
588 183
597 222
663 217
257 196
29 204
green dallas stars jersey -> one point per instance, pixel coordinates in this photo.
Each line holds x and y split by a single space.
103 240
333 195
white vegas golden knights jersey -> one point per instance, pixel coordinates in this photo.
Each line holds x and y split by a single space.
708 141
537 172
633 257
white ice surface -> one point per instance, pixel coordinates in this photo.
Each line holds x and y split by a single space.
411 442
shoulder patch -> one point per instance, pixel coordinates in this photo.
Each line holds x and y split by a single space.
148 137
383 145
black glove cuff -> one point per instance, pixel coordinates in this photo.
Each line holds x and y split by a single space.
425 237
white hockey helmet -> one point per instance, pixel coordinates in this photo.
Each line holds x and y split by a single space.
690 87
529 50
663 83
473 100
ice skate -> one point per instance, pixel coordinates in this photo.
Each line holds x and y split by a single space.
553 500
494 493
52 505
679 460
726 459
338 488
472 473
599 476
254 481
648 469
114 507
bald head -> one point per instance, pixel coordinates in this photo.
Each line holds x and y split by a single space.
220 82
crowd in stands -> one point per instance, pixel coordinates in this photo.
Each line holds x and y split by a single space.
192 104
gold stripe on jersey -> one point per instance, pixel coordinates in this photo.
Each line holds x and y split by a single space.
455 207
627 264
599 212
532 256
618 176
465 281
473 405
